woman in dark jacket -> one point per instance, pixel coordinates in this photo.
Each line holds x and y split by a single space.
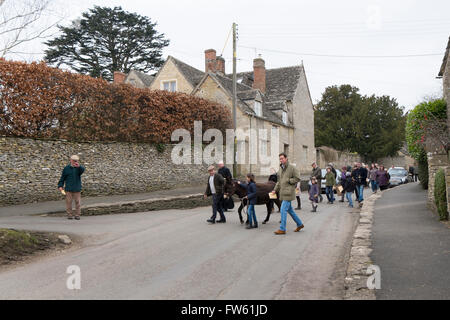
382 178
251 196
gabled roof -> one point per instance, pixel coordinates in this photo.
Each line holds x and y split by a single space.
145 78
281 83
227 84
445 61
193 75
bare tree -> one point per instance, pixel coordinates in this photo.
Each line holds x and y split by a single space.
23 21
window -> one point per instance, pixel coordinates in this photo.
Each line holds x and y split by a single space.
285 117
170 86
263 148
258 108
305 154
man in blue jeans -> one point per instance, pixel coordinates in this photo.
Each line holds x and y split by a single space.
288 177
360 175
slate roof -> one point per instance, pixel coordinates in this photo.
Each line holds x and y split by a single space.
281 83
193 75
145 78
444 62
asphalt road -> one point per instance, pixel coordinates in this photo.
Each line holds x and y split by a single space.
410 246
175 254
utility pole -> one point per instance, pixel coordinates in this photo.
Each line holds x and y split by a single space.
234 100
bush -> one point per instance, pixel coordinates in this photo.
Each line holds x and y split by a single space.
423 169
42 102
440 194
416 132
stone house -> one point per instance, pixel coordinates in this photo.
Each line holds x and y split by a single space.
277 100
437 161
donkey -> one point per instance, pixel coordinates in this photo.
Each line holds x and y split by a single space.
262 196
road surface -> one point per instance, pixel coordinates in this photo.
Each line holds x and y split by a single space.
175 254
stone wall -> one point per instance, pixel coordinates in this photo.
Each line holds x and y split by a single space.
400 160
436 162
30 169
339 159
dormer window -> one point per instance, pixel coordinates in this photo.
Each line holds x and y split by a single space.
258 108
285 117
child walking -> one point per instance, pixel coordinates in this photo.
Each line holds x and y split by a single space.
314 194
297 196
251 196
349 188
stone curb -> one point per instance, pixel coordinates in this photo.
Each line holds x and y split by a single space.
164 203
356 279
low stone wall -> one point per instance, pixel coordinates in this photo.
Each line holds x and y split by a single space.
30 169
339 159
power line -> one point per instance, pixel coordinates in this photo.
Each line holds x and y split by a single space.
345 56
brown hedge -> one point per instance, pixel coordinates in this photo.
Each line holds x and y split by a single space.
38 101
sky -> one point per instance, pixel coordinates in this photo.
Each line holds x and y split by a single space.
382 47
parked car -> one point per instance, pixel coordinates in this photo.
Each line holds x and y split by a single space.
398 175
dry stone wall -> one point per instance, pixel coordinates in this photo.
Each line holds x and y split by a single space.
30 169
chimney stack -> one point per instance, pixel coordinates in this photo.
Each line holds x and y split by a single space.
259 74
220 65
119 77
210 60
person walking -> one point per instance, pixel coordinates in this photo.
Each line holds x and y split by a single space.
373 178
251 197
297 195
416 174
360 177
314 194
226 173
349 188
330 182
342 182
288 176
317 173
383 178
70 183
214 188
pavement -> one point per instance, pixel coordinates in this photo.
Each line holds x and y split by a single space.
410 246
175 254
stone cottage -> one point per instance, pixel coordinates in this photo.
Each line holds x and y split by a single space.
277 100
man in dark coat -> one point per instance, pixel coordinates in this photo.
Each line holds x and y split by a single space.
214 188
360 177
70 185
226 173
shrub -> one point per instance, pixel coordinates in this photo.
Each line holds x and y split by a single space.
42 102
417 129
423 169
440 194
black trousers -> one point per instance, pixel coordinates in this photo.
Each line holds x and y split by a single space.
217 205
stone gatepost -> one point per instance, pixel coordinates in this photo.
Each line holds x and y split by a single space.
436 162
